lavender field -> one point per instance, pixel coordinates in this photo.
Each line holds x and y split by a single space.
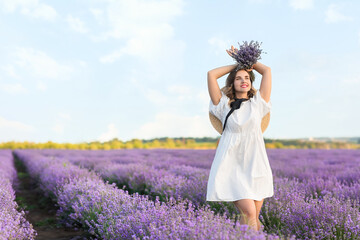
160 194
13 224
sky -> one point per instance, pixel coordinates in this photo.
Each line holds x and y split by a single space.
75 71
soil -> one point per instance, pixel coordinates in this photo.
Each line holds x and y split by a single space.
41 211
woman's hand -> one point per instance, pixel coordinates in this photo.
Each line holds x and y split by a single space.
232 51
252 67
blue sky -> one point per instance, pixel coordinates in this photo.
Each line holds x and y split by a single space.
73 71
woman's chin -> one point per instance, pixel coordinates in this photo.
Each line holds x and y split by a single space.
244 90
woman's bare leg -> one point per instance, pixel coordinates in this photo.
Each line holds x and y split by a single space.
247 210
258 205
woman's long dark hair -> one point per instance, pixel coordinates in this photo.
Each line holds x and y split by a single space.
229 88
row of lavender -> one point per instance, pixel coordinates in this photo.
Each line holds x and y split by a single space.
13 224
317 192
163 173
108 212
321 171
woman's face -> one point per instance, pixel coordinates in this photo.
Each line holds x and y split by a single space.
242 81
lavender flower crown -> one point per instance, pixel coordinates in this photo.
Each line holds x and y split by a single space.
247 55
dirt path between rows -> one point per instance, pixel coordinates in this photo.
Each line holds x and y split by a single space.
41 211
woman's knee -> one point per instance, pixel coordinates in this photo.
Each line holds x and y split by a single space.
247 207
251 214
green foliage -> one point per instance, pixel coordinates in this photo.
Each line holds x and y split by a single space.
48 222
178 143
22 175
224 208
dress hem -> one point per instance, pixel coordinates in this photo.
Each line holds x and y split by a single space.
227 200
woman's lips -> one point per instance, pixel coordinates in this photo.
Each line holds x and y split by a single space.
244 86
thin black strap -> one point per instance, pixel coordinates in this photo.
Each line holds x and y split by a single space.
232 109
234 105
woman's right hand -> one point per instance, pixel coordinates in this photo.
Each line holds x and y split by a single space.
232 51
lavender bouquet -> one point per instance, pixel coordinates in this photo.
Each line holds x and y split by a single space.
247 55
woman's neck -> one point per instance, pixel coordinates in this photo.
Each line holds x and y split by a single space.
241 95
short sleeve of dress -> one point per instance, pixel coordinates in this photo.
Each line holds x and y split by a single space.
262 106
218 110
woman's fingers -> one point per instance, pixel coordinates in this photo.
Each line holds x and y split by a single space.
230 53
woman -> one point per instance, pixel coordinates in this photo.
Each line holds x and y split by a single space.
240 172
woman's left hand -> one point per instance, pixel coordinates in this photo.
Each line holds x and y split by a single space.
232 51
250 69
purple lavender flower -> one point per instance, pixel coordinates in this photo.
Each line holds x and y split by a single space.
13 224
247 55
316 195
108 212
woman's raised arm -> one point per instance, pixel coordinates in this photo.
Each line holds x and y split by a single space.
265 85
213 86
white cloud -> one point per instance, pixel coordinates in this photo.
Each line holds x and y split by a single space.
260 1
173 125
41 86
129 18
76 24
42 11
174 95
10 71
144 26
98 14
301 4
59 128
61 120
40 64
182 92
189 93
351 81
14 130
179 89
82 63
31 8
112 57
220 45
111 133
332 14
151 44
64 116
323 81
14 88
318 100
155 96
204 98
311 77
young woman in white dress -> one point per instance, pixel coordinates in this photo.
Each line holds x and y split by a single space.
249 208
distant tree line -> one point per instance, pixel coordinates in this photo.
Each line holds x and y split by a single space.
177 143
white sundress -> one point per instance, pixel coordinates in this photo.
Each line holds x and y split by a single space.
240 169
